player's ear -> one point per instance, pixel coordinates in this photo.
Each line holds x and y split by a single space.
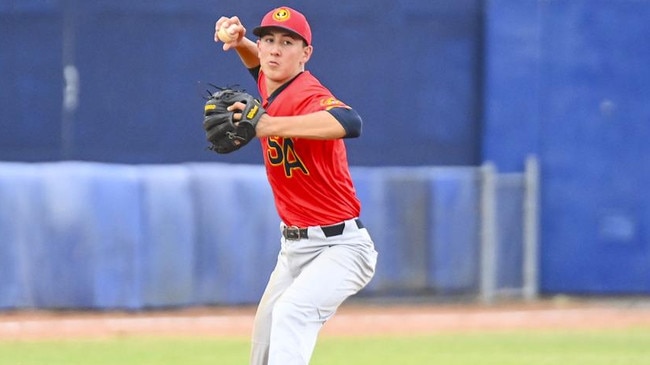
259 53
306 53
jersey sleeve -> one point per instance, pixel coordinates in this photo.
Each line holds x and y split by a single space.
323 100
349 119
320 98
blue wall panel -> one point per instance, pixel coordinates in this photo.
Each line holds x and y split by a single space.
65 260
428 50
117 197
74 227
512 111
455 226
425 228
30 81
405 260
596 155
166 252
143 68
20 214
371 190
566 80
238 232
94 235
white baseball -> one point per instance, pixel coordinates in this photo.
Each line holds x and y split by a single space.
226 35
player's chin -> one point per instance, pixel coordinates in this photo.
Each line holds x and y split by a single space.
272 68
277 74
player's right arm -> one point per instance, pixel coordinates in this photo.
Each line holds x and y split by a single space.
245 48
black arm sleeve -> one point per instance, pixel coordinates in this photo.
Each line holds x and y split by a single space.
349 119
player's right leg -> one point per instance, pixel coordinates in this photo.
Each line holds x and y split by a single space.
279 281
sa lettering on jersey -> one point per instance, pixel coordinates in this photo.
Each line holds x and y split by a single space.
281 152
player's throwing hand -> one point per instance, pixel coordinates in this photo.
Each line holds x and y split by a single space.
230 31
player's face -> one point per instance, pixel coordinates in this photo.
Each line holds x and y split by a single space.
282 56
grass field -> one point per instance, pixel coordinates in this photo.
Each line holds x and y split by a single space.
503 348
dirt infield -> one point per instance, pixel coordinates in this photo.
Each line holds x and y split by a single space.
352 319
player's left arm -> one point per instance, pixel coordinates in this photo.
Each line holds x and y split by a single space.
335 123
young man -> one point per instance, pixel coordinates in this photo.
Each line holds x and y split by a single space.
326 254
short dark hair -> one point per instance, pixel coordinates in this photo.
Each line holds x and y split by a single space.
268 30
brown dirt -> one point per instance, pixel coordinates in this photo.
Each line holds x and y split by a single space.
354 319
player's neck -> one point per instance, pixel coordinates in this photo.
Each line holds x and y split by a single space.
275 86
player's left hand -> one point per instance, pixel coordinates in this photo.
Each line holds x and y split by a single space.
230 118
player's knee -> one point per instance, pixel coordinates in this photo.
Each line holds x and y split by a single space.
285 311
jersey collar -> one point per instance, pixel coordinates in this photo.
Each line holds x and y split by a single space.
279 90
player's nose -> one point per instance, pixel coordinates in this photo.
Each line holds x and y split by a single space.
275 49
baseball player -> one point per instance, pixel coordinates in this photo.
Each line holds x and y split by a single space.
326 254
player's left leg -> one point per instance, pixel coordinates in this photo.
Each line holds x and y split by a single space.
345 265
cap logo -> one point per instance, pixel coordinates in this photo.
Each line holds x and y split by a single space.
282 15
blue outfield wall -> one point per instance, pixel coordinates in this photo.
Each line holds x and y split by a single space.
138 72
91 235
493 80
568 81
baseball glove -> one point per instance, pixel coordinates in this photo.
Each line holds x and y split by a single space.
225 133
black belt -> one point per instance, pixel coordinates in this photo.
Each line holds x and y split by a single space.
294 233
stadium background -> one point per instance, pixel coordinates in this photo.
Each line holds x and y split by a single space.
107 194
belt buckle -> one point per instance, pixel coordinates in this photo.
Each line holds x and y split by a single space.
292 233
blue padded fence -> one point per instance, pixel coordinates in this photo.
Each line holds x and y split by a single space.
93 235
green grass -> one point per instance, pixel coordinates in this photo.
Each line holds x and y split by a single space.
125 351
536 348
574 348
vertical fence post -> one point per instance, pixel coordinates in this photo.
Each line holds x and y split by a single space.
71 79
531 229
488 271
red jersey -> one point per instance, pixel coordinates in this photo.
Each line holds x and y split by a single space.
310 179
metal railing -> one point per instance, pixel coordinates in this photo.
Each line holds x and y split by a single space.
492 240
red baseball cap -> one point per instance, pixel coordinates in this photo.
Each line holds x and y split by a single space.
285 18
